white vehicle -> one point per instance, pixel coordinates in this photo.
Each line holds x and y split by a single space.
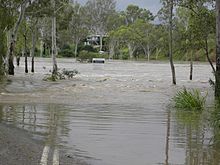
98 60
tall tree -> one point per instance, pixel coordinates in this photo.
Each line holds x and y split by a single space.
77 25
98 13
167 11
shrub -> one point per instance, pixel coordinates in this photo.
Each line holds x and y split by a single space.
189 100
61 75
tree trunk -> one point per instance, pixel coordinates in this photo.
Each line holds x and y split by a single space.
25 53
171 42
207 55
112 46
10 59
101 42
33 45
191 66
76 49
148 53
54 45
41 43
131 50
217 75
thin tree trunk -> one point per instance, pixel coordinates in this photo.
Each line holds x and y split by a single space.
207 55
171 42
145 51
54 46
33 45
10 58
148 53
191 66
25 50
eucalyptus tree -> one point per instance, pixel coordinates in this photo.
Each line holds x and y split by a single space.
146 36
134 12
167 12
113 23
98 12
77 25
131 15
6 11
201 24
22 5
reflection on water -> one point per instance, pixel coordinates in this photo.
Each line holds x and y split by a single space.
119 135
45 122
200 147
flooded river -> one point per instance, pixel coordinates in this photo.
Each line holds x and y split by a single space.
116 113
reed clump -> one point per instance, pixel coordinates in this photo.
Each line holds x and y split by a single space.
191 100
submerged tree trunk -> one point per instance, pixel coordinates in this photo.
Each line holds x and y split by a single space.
191 66
33 45
54 45
25 53
10 58
171 42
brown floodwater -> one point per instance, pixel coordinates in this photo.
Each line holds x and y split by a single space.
116 113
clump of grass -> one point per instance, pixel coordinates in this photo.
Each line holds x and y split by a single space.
189 100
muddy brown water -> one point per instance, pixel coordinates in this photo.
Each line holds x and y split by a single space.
116 113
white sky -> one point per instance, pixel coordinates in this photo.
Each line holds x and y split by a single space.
152 5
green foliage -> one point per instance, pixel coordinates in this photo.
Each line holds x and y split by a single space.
66 51
189 100
124 54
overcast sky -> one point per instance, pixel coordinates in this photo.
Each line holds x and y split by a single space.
152 5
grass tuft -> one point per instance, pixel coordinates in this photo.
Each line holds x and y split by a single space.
189 100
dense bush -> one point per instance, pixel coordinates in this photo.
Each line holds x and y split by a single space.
66 51
189 100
